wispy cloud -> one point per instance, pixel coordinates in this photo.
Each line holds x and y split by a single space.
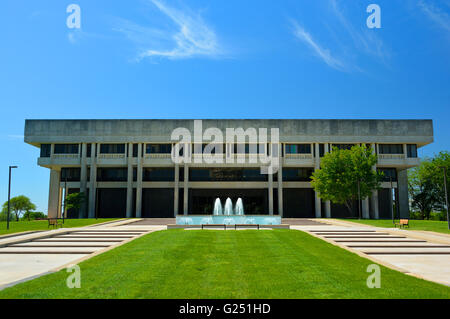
437 15
321 52
190 37
364 40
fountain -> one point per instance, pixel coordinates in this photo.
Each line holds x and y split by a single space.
218 207
239 208
228 207
228 215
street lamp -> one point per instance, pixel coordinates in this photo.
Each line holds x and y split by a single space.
9 196
445 191
391 202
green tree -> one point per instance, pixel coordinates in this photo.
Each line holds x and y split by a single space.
18 206
74 201
342 171
426 184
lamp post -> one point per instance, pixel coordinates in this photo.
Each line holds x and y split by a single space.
445 191
391 202
359 201
9 196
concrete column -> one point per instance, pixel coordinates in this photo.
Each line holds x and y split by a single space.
270 189
186 189
139 182
176 190
93 183
317 166
129 212
375 209
403 200
327 203
66 191
54 193
280 181
365 208
83 180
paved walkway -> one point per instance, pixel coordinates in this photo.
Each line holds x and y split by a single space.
27 256
421 254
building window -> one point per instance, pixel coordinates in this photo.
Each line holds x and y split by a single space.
248 148
412 150
302 174
321 150
112 149
343 146
158 148
88 150
298 148
65 149
45 150
388 173
391 148
226 175
160 174
135 150
70 174
112 174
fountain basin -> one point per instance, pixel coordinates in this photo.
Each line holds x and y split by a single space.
228 219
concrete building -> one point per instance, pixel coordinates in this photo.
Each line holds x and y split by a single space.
125 168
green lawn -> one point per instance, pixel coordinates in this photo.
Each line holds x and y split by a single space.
430 225
227 264
21 226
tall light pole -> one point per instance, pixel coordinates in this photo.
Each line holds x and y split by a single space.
391 201
9 196
445 191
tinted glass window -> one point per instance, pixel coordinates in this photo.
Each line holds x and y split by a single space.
298 148
226 175
412 150
112 148
160 174
388 173
391 148
343 146
112 174
158 148
45 150
70 174
65 149
302 174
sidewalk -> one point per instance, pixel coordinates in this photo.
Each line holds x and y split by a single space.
418 253
31 255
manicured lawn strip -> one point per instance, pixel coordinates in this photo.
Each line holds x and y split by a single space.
227 264
21 226
429 225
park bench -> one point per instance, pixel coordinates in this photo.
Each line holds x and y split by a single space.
402 223
246 225
55 222
214 225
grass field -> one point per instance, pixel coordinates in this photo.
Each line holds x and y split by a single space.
227 264
429 225
21 226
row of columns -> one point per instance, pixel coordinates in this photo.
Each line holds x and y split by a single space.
89 208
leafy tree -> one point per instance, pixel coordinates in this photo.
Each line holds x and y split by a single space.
18 206
426 184
342 171
33 215
74 200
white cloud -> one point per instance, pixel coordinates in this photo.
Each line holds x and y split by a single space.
364 40
191 37
321 52
436 14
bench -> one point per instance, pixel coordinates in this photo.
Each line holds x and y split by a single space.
54 222
246 225
402 223
214 225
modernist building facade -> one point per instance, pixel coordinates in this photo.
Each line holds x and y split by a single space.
125 167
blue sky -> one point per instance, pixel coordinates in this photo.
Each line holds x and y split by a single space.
217 59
